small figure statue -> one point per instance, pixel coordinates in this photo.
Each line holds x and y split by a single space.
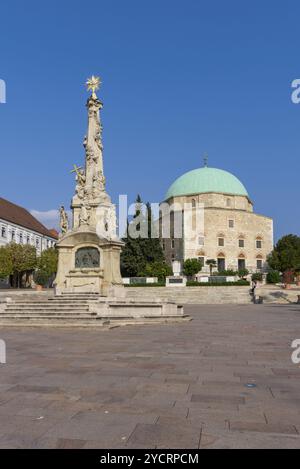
89 153
84 216
110 223
64 222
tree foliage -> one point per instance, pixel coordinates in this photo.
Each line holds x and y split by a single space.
17 260
6 264
48 261
286 254
159 269
141 250
191 267
211 263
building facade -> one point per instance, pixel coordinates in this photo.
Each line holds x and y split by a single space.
19 226
230 232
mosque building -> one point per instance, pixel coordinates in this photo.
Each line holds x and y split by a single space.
233 235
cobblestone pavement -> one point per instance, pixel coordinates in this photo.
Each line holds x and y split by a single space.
224 380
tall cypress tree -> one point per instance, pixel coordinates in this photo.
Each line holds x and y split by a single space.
140 251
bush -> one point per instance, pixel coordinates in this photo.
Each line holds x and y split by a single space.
191 267
226 273
158 269
40 278
158 284
258 277
273 277
243 273
239 283
289 277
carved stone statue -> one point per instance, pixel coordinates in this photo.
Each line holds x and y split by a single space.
64 222
110 223
89 153
84 216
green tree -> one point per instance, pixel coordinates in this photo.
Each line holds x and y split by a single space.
212 263
48 261
286 254
159 269
24 261
243 273
191 267
140 250
273 276
6 263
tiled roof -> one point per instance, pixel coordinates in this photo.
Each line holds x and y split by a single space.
13 213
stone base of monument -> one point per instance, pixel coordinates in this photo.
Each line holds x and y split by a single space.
88 310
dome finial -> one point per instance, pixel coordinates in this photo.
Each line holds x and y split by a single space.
205 159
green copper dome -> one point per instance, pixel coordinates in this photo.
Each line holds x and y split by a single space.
203 180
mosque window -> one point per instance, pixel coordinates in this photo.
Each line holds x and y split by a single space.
221 241
258 243
173 243
241 243
202 260
259 264
228 202
241 263
194 203
231 223
201 241
221 264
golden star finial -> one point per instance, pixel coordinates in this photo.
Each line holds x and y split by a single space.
93 84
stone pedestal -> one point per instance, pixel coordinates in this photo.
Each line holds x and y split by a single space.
87 263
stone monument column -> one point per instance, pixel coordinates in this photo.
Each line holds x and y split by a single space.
89 253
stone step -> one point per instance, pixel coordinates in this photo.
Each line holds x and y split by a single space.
47 312
50 322
46 308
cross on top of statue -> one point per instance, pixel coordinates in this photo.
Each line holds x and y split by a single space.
93 84
76 169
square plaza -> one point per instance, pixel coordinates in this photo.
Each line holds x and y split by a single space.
224 380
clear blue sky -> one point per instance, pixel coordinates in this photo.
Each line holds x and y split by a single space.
180 78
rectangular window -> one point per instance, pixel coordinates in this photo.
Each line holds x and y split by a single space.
202 260
173 243
241 243
13 235
21 238
221 242
258 244
241 264
259 264
3 232
201 241
231 223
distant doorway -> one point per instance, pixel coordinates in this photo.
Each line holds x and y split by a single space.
221 264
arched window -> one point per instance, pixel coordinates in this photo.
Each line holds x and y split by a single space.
259 262
242 262
221 262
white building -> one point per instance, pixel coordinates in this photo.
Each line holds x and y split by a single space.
19 226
